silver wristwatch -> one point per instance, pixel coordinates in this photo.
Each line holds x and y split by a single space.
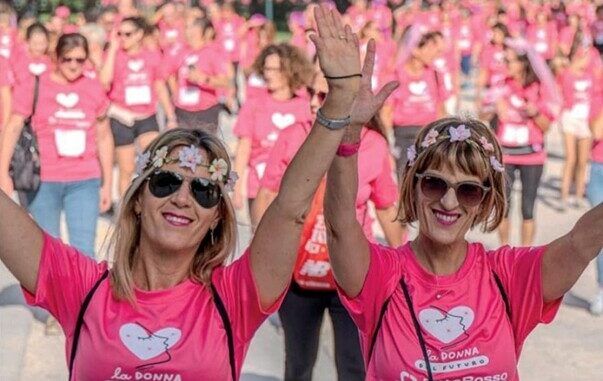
332 124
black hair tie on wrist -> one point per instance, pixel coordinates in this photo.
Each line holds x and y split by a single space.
344 76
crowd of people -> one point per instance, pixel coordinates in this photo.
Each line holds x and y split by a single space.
325 146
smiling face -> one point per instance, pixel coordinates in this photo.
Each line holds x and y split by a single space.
445 221
176 223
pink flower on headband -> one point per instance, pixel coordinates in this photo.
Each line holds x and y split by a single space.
190 157
430 138
496 165
486 144
411 154
459 134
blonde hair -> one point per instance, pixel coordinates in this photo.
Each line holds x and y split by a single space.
126 234
469 156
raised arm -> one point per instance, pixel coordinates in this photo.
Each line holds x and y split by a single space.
348 247
566 258
274 246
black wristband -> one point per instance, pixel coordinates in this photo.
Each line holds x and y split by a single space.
344 76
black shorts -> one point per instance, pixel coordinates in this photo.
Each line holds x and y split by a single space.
124 135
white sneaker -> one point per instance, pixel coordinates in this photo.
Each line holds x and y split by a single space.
596 306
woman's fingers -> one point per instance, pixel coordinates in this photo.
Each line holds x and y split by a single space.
369 61
386 91
321 24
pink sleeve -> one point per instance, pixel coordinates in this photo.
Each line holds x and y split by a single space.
520 270
381 280
276 165
384 190
238 291
103 100
243 127
23 97
64 278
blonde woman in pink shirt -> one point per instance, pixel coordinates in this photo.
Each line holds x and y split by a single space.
169 307
440 306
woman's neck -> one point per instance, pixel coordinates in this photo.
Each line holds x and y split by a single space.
439 259
57 77
282 94
154 270
414 66
134 50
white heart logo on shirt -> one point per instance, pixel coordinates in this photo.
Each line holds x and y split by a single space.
146 345
417 88
581 85
171 33
541 34
135 65
67 100
5 40
191 60
37 68
516 101
499 56
447 326
282 120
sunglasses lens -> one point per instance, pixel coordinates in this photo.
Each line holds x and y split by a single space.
206 193
469 194
433 187
163 184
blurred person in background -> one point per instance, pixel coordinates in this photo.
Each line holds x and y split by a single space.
32 59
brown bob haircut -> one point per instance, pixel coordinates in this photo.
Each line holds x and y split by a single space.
296 67
468 156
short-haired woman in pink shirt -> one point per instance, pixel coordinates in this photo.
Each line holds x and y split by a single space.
170 307
440 306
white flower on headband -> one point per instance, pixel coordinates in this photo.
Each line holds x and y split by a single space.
160 157
496 165
230 183
430 138
218 170
459 134
190 157
411 154
141 162
486 144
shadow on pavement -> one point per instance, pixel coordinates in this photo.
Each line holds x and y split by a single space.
257 377
12 296
573 300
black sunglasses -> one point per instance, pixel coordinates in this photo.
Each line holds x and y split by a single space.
165 183
71 59
468 193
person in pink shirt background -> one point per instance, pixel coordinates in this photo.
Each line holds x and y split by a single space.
8 32
76 147
542 33
196 80
286 71
169 289
32 59
439 306
135 81
6 83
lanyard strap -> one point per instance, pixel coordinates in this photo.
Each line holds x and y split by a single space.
417 329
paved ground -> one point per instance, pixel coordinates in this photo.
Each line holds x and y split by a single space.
569 349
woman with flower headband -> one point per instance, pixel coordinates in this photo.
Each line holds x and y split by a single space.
440 306
171 308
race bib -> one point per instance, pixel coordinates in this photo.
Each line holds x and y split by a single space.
516 135
138 95
70 143
189 95
580 110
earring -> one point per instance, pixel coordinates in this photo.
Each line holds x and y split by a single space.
211 236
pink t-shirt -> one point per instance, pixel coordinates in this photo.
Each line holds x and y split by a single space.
24 66
8 41
462 316
416 100
227 31
577 91
191 96
465 38
358 17
171 34
134 77
175 334
375 175
261 119
516 129
492 59
65 123
543 38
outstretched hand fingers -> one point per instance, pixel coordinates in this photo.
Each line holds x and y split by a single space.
386 91
369 63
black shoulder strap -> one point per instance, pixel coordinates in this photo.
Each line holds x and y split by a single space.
502 293
80 319
377 329
35 100
228 328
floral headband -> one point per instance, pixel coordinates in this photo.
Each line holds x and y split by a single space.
459 134
189 157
